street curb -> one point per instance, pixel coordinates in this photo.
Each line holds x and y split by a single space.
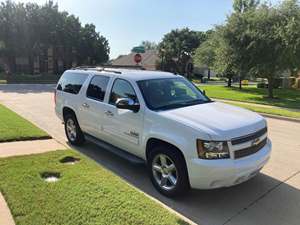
5 213
295 120
46 137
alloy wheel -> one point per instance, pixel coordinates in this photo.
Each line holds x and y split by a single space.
164 172
71 129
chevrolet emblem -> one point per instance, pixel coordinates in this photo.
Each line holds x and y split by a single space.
255 142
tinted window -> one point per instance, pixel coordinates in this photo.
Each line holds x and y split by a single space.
163 94
71 82
122 89
97 88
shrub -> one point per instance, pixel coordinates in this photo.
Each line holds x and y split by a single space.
297 83
262 85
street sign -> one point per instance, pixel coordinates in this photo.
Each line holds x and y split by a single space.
137 58
138 49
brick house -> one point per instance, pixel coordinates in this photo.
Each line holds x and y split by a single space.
149 60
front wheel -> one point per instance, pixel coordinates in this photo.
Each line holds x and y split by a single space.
167 169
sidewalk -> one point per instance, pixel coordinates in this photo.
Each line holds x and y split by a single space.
5 215
17 148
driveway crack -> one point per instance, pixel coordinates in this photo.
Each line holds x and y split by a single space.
260 197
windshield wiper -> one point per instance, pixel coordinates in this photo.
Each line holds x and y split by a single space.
182 104
196 102
171 106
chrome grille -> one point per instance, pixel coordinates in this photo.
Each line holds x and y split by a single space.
250 150
243 139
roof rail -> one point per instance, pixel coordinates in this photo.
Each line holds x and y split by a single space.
136 67
96 68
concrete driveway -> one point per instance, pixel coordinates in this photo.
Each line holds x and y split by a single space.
273 197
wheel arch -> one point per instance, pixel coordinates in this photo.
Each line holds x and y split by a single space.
153 142
68 110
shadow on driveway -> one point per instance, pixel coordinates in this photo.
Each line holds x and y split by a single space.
205 207
27 88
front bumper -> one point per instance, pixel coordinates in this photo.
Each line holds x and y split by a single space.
211 174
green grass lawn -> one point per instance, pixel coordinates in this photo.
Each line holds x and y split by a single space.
289 98
29 78
15 128
272 111
85 194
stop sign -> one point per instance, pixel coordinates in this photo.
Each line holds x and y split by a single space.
137 58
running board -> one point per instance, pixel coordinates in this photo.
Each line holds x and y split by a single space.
117 151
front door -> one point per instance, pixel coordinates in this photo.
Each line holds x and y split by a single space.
123 127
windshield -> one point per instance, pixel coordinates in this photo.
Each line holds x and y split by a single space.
170 93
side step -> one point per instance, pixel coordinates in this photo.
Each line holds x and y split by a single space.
117 151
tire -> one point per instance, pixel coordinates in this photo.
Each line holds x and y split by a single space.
176 181
72 130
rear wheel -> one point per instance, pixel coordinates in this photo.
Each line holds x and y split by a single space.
167 170
73 131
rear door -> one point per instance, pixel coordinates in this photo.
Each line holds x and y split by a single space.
92 105
121 126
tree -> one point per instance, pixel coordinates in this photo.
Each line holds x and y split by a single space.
148 45
257 47
289 32
224 61
177 48
205 54
92 46
216 54
240 6
257 39
30 30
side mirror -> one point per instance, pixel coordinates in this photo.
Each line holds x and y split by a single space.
127 103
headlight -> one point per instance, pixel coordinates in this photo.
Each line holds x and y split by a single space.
212 149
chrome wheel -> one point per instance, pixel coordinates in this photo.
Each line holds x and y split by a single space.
164 172
71 129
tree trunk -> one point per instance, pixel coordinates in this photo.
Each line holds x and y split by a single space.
162 63
240 82
7 65
208 74
293 72
270 87
229 82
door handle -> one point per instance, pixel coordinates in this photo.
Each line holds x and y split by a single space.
108 113
85 105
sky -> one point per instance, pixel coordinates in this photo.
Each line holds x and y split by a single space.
126 23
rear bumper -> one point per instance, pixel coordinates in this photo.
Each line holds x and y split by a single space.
211 174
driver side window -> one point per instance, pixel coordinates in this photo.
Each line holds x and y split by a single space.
122 89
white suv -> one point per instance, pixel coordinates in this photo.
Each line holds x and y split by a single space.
162 119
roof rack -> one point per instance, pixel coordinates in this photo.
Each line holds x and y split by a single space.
96 68
136 67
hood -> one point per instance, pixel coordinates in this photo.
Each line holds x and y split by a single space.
219 120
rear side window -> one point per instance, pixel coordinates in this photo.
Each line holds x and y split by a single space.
97 88
71 82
